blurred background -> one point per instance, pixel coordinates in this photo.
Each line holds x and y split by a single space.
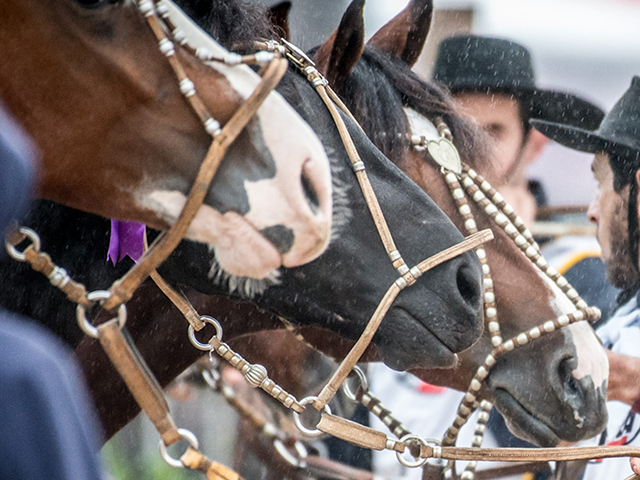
590 47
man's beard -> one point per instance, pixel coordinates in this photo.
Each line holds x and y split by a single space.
621 271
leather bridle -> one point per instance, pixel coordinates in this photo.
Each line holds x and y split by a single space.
122 353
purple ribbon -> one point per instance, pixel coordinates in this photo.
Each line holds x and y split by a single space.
127 239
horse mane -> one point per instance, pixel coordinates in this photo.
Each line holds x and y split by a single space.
230 22
381 85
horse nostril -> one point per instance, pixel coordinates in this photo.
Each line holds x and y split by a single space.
468 286
280 236
310 192
568 381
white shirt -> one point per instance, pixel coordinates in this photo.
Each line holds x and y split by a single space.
622 335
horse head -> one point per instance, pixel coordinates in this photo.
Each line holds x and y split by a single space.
551 390
117 136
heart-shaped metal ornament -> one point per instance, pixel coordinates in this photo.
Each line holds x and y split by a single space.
445 153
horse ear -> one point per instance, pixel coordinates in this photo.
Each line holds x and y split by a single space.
405 34
279 18
337 56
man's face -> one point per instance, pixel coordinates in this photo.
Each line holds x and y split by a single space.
608 210
499 116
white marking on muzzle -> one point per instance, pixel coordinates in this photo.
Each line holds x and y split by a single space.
296 151
240 249
592 360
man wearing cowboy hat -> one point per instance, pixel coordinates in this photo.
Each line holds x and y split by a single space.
615 211
494 81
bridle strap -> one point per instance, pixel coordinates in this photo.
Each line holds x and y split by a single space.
559 454
363 342
408 276
123 289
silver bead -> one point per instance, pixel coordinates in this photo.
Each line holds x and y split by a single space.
256 375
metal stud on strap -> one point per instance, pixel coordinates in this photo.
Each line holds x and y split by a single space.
293 460
419 462
403 269
205 347
415 271
33 238
364 385
357 167
296 418
394 255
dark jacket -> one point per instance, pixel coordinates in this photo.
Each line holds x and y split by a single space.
47 430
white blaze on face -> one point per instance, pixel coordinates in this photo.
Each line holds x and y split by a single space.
282 200
240 249
592 360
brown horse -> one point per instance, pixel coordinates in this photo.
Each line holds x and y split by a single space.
87 80
546 388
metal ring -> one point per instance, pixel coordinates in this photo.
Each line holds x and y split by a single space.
298 422
364 385
288 457
35 243
81 313
189 437
415 463
205 347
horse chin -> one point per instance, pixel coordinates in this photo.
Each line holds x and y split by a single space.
523 423
405 343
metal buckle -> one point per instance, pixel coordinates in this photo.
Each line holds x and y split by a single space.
296 55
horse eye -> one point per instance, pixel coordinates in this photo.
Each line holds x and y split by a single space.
95 3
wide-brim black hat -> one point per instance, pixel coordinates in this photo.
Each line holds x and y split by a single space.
496 65
619 133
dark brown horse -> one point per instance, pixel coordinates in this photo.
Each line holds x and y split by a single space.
544 388
87 80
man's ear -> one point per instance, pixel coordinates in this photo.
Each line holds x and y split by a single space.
533 146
